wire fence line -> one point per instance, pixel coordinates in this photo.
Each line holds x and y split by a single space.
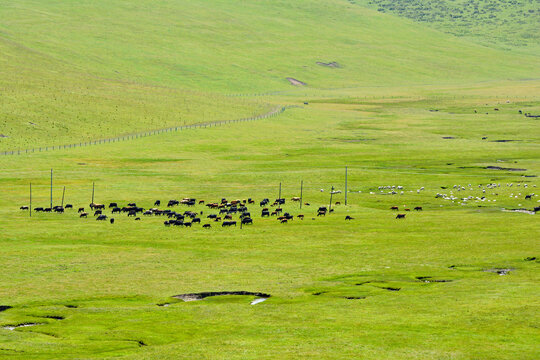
272 113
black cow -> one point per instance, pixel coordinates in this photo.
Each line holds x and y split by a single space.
47 210
206 226
83 215
132 213
38 209
173 203
400 216
112 220
58 209
187 224
196 220
265 213
69 206
528 197
247 221
349 217
102 217
228 223
168 222
212 216
132 204
80 210
24 208
157 203
116 210
112 205
418 208
98 212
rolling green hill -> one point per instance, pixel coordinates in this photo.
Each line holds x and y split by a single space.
239 46
502 23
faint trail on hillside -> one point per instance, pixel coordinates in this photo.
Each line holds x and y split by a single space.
272 113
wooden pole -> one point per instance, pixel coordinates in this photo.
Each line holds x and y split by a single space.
30 208
345 185
51 185
63 193
93 186
301 192
331 193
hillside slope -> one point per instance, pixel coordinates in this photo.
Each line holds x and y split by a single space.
501 23
238 46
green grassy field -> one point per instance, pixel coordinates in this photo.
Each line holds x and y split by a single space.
457 280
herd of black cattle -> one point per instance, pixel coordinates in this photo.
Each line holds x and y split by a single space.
223 211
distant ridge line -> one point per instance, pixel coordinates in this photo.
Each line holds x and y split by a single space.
272 113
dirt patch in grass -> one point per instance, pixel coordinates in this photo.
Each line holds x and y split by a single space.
296 82
202 295
503 168
332 64
499 271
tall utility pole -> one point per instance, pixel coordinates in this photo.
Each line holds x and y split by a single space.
301 192
93 186
51 186
331 193
63 193
345 185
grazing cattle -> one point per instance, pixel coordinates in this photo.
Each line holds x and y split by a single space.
201 201
274 213
132 213
83 215
80 210
217 219
338 203
132 204
187 224
47 210
211 216
58 209
228 217
400 216
247 221
418 208
251 201
116 210
177 222
94 206
113 204
321 213
536 209
137 218
173 203
69 206
407 209
157 203
24 207
283 221
148 212
38 209
196 220
278 210
349 217
307 204
228 223
296 198
528 197
98 212
206 226
223 211
300 216
245 214
112 220
265 213
322 208
394 208
101 217
168 222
